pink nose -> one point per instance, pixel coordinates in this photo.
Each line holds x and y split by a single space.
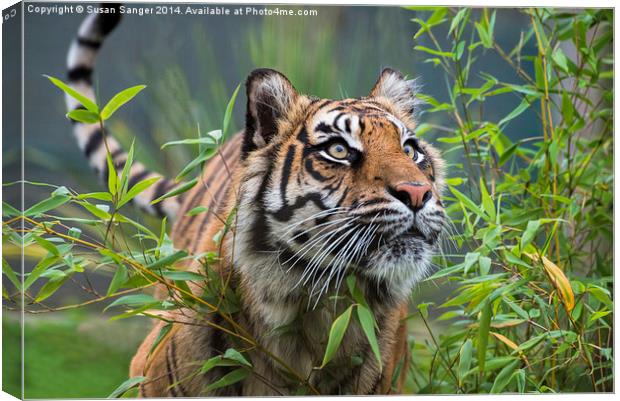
414 195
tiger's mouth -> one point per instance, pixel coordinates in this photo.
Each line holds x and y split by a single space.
411 233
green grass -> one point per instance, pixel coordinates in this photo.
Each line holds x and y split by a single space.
69 356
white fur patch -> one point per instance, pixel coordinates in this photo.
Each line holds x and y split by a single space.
400 92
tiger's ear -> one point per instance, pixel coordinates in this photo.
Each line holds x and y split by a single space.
401 92
270 97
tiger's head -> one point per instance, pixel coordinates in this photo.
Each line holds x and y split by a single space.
329 187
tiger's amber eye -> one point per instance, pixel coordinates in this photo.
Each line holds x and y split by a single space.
410 151
338 151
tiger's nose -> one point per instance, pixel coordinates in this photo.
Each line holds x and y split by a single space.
414 195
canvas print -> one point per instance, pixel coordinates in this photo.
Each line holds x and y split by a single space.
208 200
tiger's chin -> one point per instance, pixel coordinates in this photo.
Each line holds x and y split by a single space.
400 263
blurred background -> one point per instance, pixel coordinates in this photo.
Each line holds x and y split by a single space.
191 65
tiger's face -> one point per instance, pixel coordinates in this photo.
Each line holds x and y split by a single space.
332 187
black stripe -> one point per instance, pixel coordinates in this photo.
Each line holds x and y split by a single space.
335 122
160 190
285 213
136 178
315 174
322 127
179 387
93 44
93 143
286 172
116 153
171 388
213 209
107 22
80 73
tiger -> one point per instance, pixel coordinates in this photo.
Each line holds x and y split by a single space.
320 189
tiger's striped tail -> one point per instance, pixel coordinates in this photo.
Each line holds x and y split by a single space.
92 141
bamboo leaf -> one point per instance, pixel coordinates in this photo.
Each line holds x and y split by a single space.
530 233
83 116
47 204
120 99
465 359
515 113
504 377
120 277
51 287
336 334
177 191
10 274
367 321
84 101
138 189
559 281
168 260
483 334
230 378
229 110
126 386
134 301
112 177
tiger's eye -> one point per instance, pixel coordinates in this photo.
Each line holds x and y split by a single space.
338 151
410 151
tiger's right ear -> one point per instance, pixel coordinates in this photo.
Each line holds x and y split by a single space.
270 97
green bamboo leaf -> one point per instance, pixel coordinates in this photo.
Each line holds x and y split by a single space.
168 260
485 265
560 59
204 155
160 336
84 101
504 377
112 176
183 276
434 52
10 274
138 189
465 359
103 196
120 99
336 334
483 335
230 378
39 269
134 301
124 182
485 36
468 203
530 233
515 113
177 191
367 321
47 204
51 248
205 140
9 211
120 277
229 110
234 355
487 202
51 287
83 116
197 210
126 386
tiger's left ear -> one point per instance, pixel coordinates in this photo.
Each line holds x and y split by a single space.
271 96
401 92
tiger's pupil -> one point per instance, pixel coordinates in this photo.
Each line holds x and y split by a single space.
410 151
338 151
